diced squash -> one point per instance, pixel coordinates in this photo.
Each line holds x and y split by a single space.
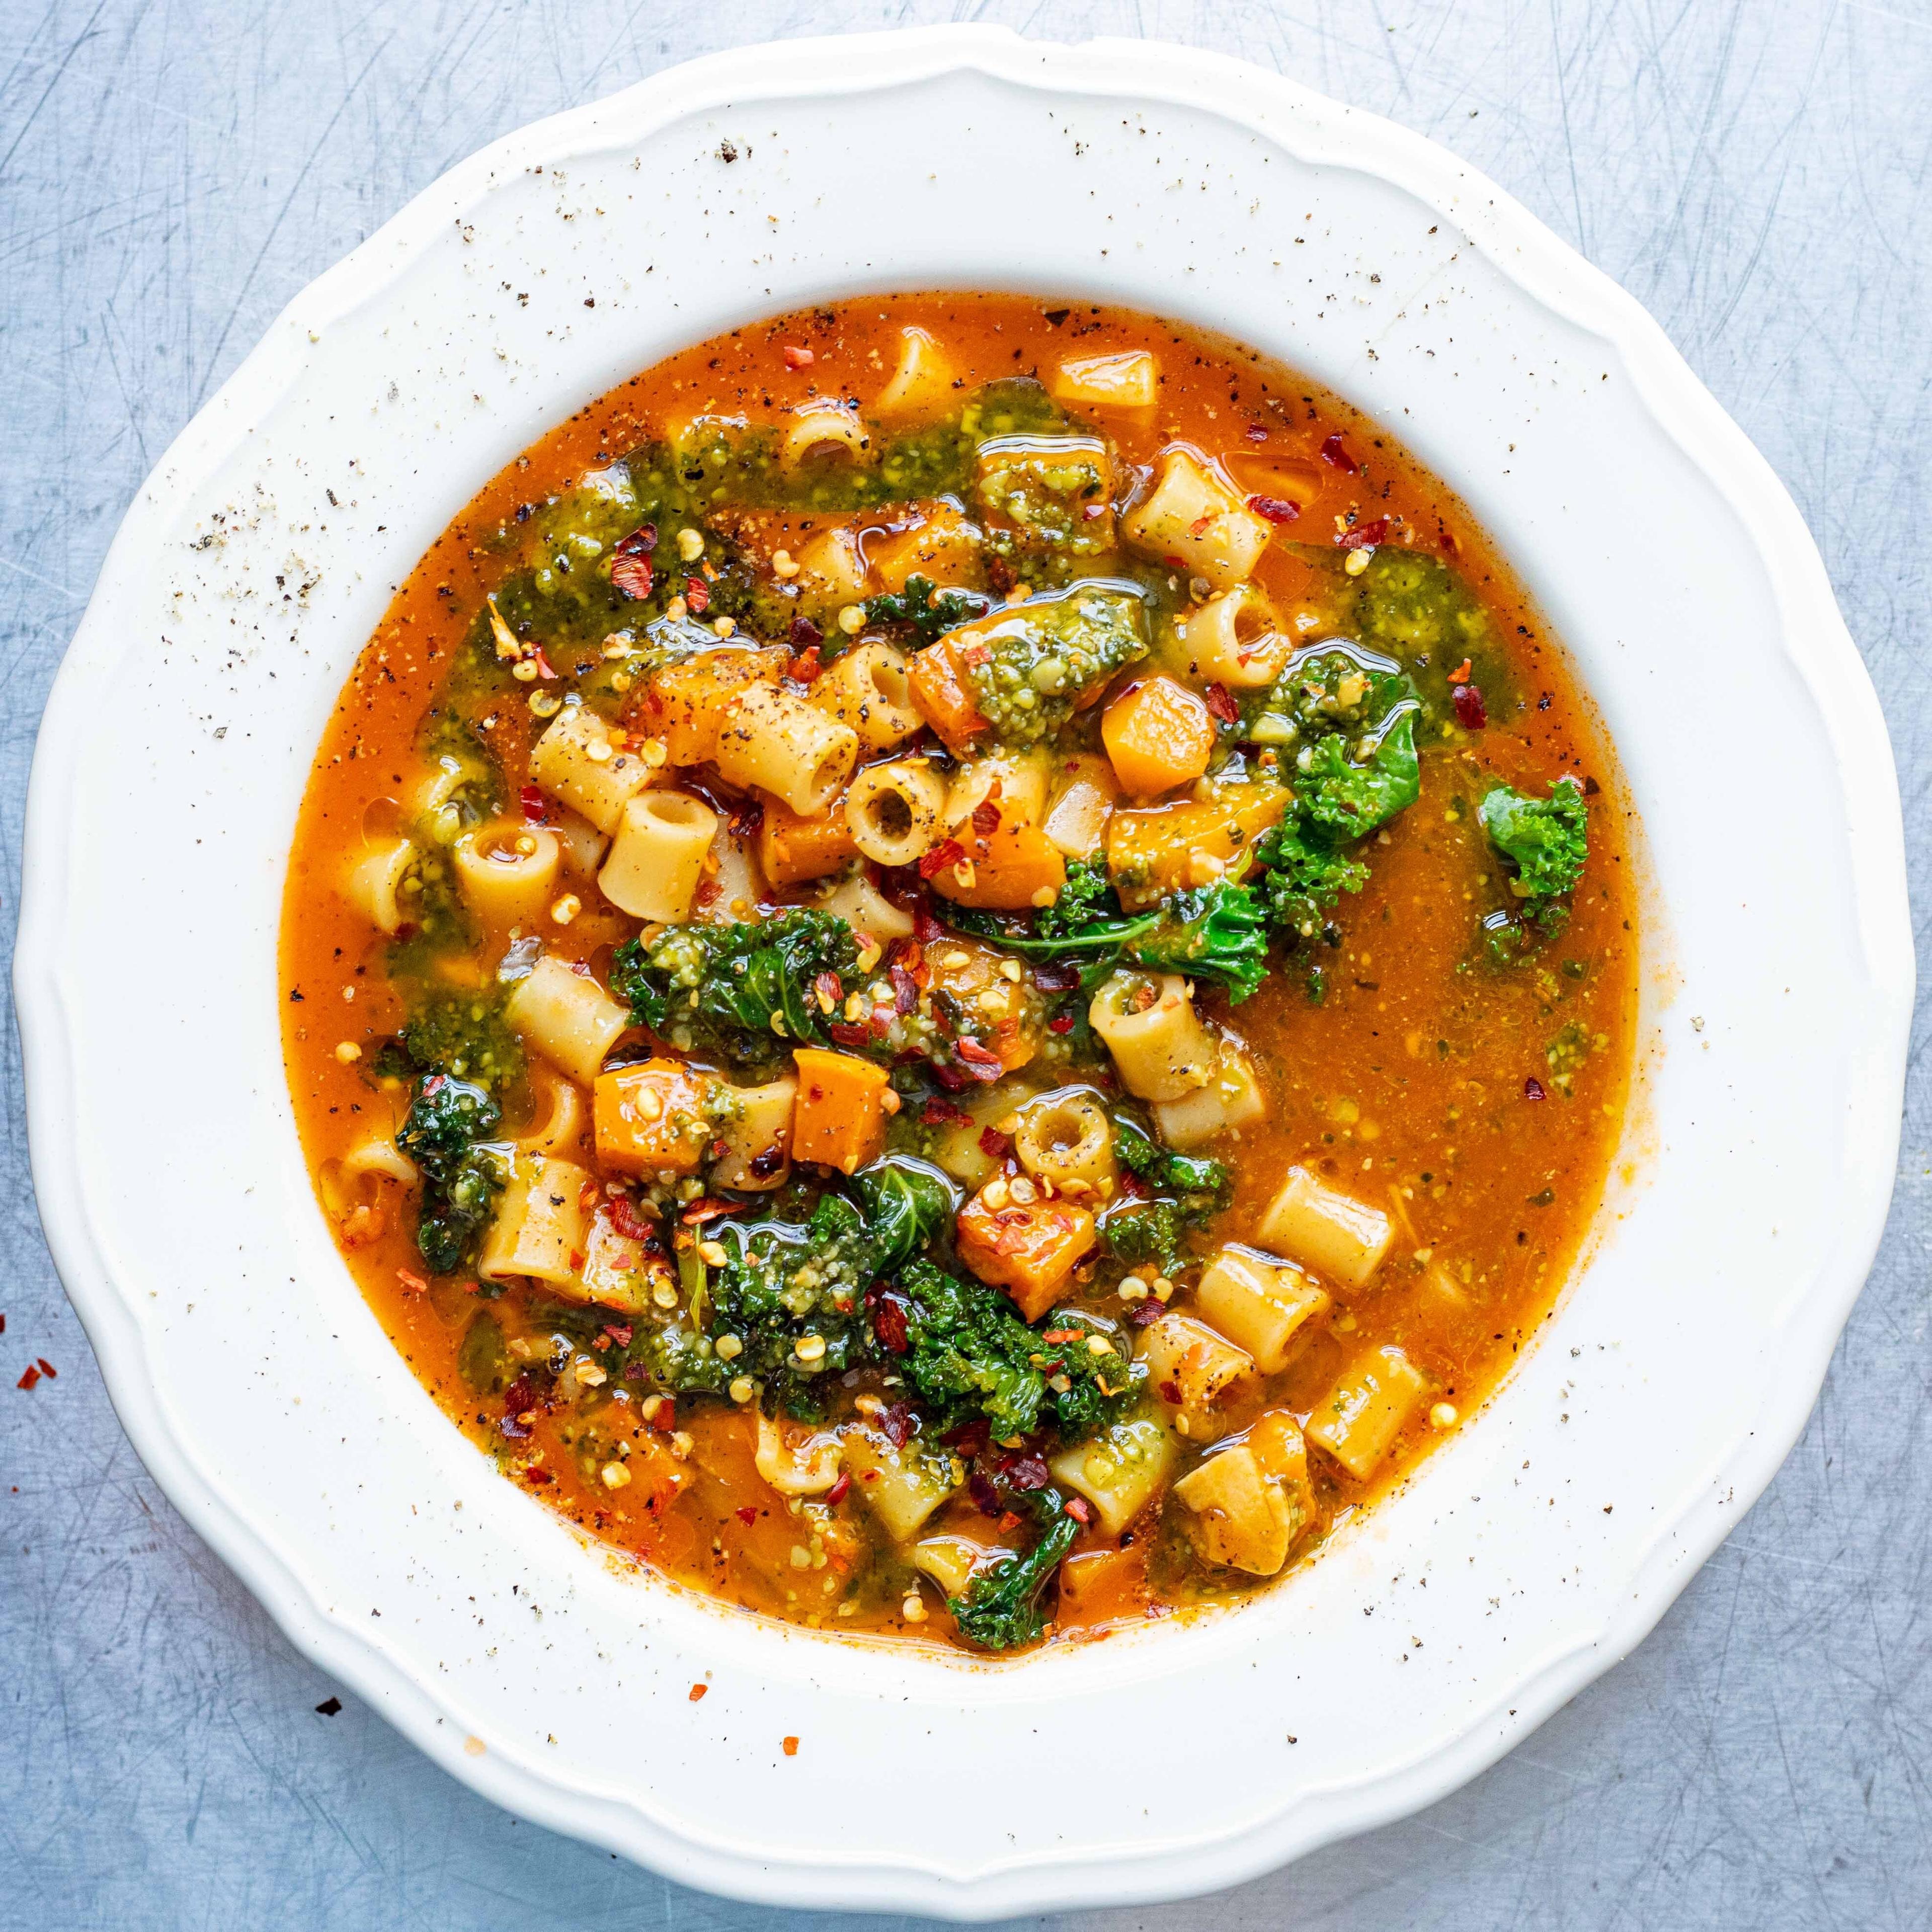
903 1485
685 704
1357 1421
1009 869
1098 1586
1190 1367
1164 848
1085 792
1126 380
651 1118
940 696
839 1118
1158 734
1326 1230
617 1273
1260 1302
951 1560
1120 1470
1029 1250
943 546
792 850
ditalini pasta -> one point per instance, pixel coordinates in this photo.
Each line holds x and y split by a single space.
959 967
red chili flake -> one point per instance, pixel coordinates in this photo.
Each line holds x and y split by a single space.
1532 1089
1332 453
925 928
937 1113
980 1061
1365 536
663 1417
27 1380
905 988
1060 976
1027 1472
954 1079
1471 713
1077 1508
536 807
1274 509
1201 525
986 1498
806 666
699 1212
1257 433
1090 512
896 1422
836 1495
790 1745
643 538
413 1284
847 1033
748 1516
947 852
697 594
1146 1312
537 1478
698 1691
1221 703
1170 1391
628 1222
1062 1023
1460 675
618 1333
632 576
974 655
745 821
888 1324
1446 541
986 818
798 359
993 1142
543 665
805 635
767 1163
970 1438
829 990
3 1325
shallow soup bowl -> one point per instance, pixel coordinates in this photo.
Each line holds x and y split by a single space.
1681 1359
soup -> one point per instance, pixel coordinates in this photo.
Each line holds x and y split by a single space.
961 969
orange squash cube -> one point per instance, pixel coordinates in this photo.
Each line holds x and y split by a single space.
1161 849
1012 867
1159 734
1030 1251
652 1118
686 702
792 849
839 1119
939 696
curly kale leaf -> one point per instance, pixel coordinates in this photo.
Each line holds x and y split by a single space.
1099 1386
1342 799
962 1350
1088 906
1147 1233
1301 878
449 1121
1546 840
1000 1610
1215 932
907 1202
1204 1183
744 990
782 1283
930 611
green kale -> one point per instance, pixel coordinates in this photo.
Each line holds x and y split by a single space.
1099 1386
907 1202
1186 1175
746 991
1546 840
1087 904
675 1360
1215 932
783 1285
1343 800
962 1350
929 610
1301 878
450 1121
999 1609
1147 1233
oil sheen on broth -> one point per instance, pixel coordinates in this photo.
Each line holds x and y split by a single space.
961 969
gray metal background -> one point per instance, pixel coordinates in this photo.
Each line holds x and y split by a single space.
172 172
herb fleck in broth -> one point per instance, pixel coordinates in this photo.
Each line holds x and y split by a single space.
1208 1028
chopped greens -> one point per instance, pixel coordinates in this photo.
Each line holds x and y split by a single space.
1000 1609
930 611
448 1123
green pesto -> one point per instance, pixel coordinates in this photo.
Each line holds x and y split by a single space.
1045 652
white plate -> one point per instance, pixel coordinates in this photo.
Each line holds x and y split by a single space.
1537 1548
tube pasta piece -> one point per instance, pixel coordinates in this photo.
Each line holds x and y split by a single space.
576 760
903 1485
921 382
1084 793
374 883
956 1146
1126 381
1161 1050
1191 1367
568 1017
616 1272
866 689
652 1118
951 1560
437 799
1015 781
657 858
754 1124
736 882
831 569
793 848
508 873
1236 639
354 1189
542 1226
1193 521
797 1462
1326 1230
944 546
1260 1302
1121 1471
378 1154
1158 734
892 810
777 742
1231 1100
838 1118
687 701
1030 1250
1066 1137
581 844
1357 1421
822 429
1165 848
560 1125
867 911
1238 1516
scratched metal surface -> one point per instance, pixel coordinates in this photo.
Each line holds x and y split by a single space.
171 173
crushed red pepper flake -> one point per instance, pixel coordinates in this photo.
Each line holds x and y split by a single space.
697 594
698 1691
790 1746
1274 509
46 1367
632 576
1335 453
1365 536
27 1380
